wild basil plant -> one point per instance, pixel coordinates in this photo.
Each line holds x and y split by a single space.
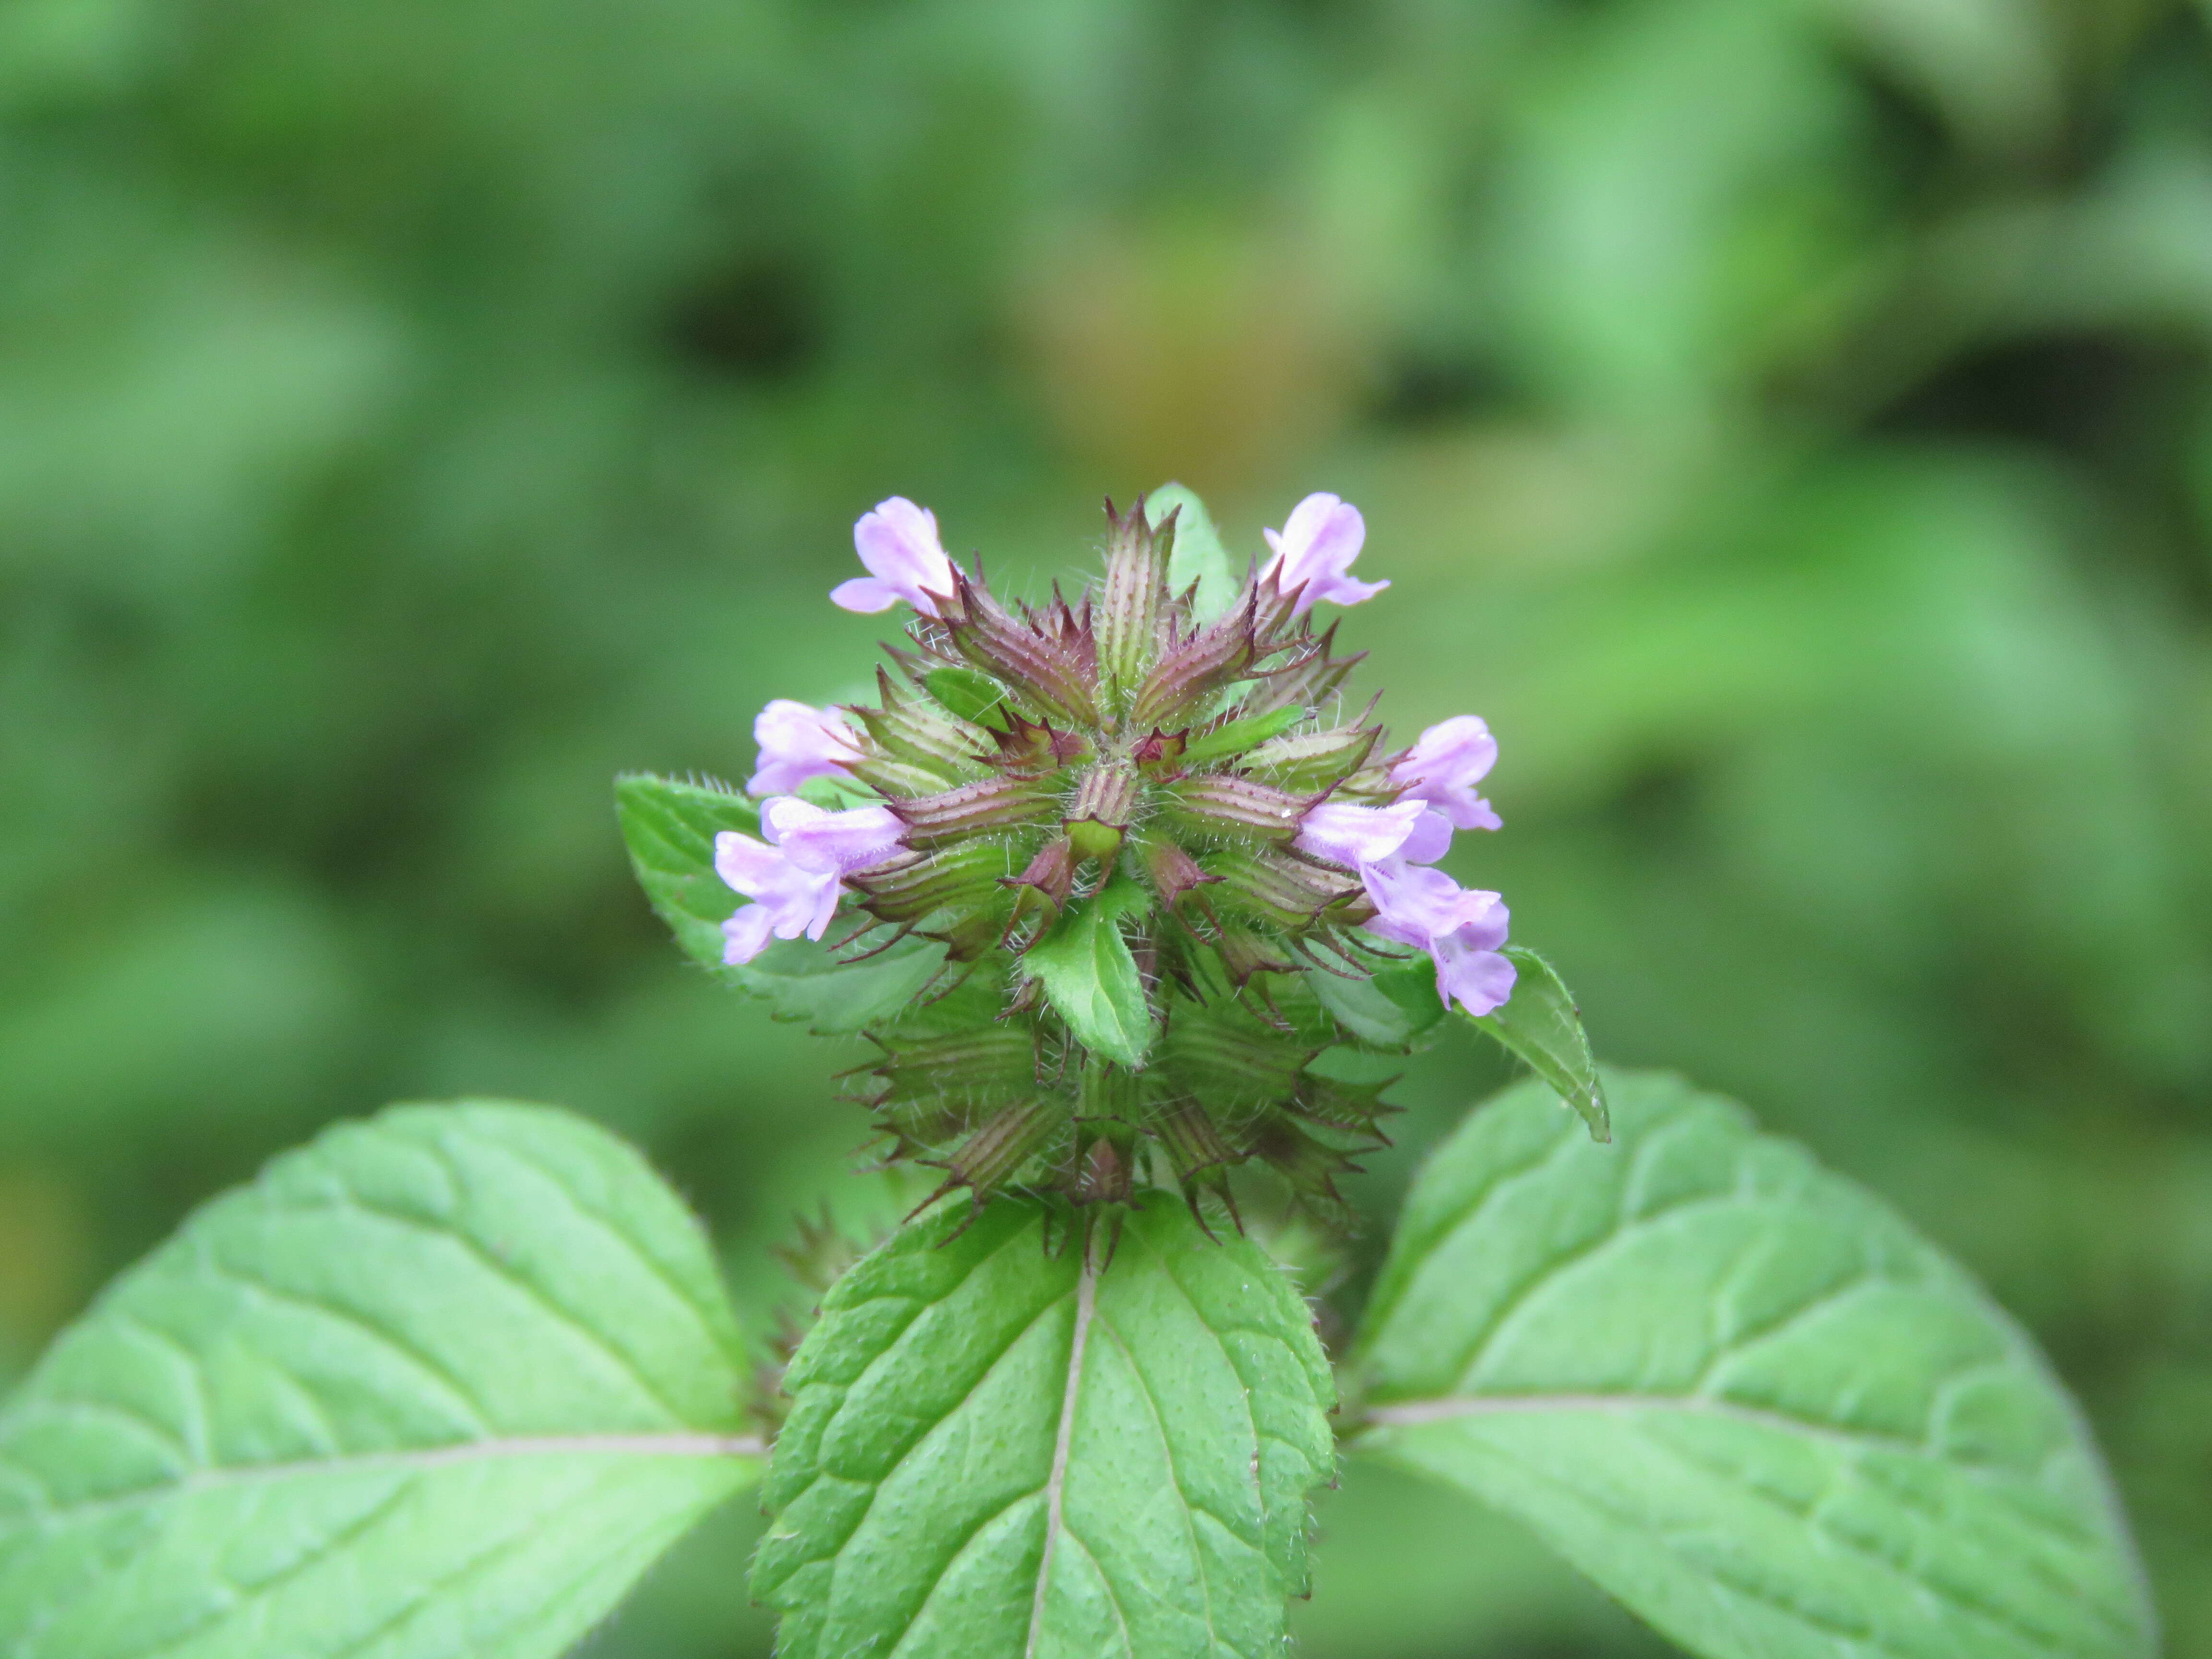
1131 906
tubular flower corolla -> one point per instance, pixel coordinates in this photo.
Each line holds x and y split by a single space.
1390 848
795 877
1315 548
1442 767
799 742
898 543
1460 929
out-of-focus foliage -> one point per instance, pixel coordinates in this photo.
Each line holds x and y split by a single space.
1788 420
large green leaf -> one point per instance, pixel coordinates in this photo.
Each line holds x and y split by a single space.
1541 1024
670 827
1091 978
442 1383
998 1451
1740 1393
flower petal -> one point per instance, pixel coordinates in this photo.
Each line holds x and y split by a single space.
864 595
1483 921
788 895
799 742
898 541
1479 981
1412 902
1444 766
1317 546
1458 751
1356 836
1430 838
830 843
746 934
744 863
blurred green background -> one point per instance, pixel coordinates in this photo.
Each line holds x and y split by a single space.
1788 420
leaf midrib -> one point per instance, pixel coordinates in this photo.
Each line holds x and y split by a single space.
1087 1307
1451 1409
1417 1413
687 1445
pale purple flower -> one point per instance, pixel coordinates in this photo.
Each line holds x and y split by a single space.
815 838
1393 848
1470 969
1461 928
796 743
1314 550
746 934
898 543
1413 903
1430 838
1444 766
794 878
787 899
1357 835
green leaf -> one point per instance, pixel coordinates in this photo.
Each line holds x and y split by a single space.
996 1452
670 827
970 693
1235 737
1740 1393
443 1382
670 830
1198 557
1541 1024
805 982
1091 978
1394 1010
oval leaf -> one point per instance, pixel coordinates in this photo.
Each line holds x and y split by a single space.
670 829
997 1452
443 1383
1740 1393
1091 978
1540 1024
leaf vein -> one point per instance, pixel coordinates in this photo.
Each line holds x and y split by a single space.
1086 1303
472 1409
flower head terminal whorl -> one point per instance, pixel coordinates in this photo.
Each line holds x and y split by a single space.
1153 851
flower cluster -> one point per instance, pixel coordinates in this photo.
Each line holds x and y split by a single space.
1121 802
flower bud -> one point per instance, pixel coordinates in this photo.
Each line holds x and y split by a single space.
1312 761
974 808
916 729
964 880
1192 667
1052 660
1133 598
1235 808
